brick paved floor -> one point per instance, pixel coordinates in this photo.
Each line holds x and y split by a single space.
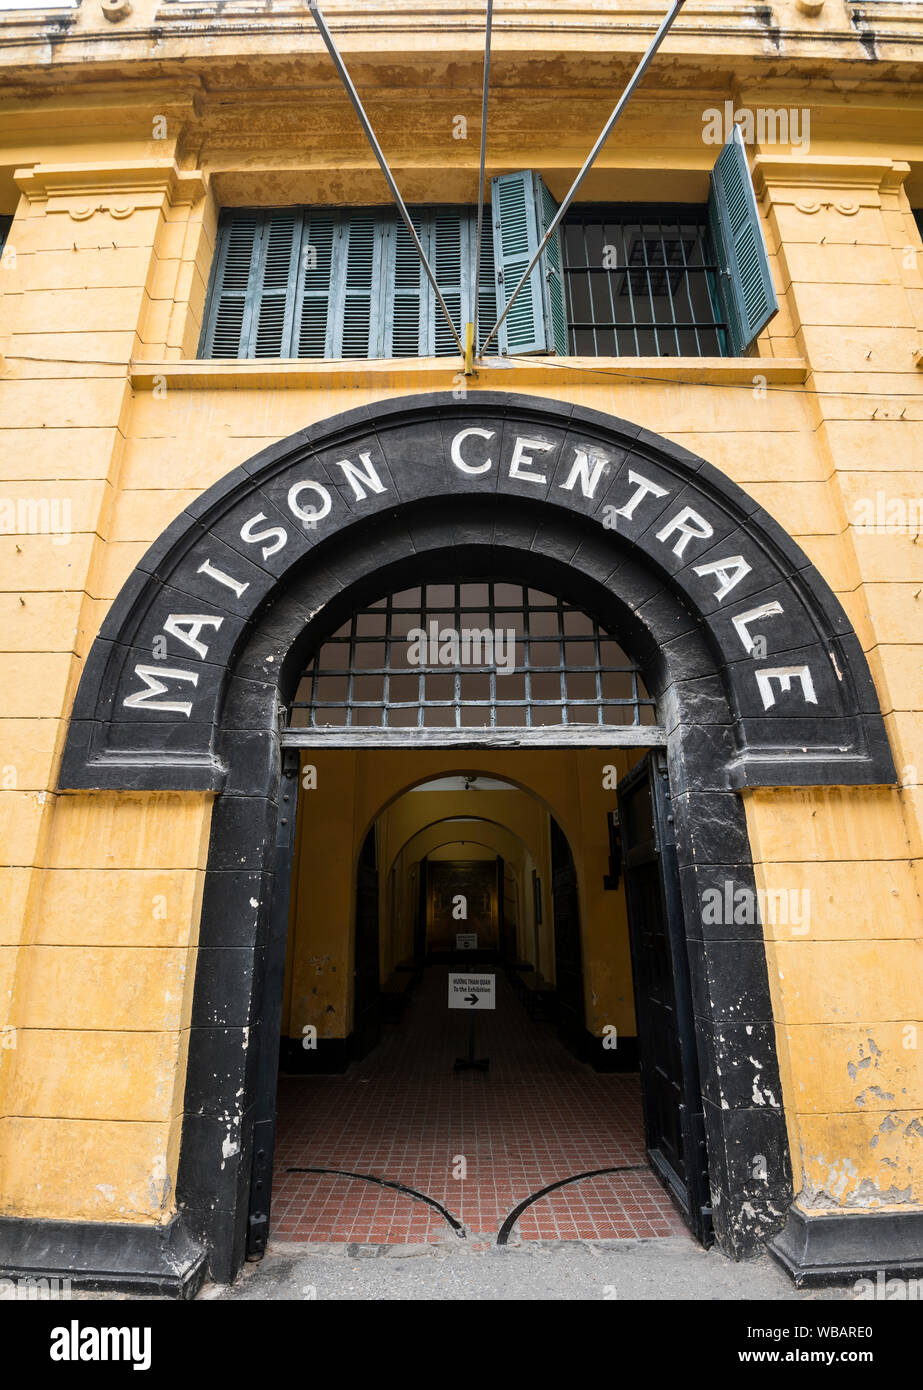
403 1114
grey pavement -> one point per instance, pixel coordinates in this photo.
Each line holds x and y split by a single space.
661 1269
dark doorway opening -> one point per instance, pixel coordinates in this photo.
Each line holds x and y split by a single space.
389 1108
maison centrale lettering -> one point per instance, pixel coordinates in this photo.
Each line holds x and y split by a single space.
684 531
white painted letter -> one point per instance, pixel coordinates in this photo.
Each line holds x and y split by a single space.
785 675
194 623
456 450
730 572
155 686
698 529
520 456
219 575
768 610
356 476
581 470
309 514
277 534
643 486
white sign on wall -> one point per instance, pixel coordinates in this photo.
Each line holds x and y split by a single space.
466 941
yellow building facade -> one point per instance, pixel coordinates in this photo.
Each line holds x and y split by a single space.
152 865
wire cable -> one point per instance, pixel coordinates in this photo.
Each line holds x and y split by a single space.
383 163
590 160
476 277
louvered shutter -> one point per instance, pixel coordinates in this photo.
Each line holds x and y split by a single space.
314 324
277 274
451 267
745 289
417 325
357 300
407 291
227 323
487 280
553 258
518 208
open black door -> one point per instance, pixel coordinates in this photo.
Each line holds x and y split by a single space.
366 998
673 1118
568 956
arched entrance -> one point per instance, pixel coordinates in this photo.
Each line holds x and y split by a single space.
403 1112
758 678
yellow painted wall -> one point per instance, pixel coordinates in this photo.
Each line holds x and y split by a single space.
115 170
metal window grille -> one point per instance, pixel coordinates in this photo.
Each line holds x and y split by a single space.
641 283
566 669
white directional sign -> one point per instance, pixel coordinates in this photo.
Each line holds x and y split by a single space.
472 992
466 941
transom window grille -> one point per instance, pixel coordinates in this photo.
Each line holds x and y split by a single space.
554 665
641 283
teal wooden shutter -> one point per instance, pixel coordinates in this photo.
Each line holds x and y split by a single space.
487 280
451 267
313 320
417 326
356 302
553 258
276 278
521 211
227 322
407 289
745 289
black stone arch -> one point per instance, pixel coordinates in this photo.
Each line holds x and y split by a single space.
834 737
718 739
245 914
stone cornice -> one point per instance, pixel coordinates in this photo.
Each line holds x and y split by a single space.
117 187
865 178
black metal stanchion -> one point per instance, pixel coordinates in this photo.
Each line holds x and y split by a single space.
469 1062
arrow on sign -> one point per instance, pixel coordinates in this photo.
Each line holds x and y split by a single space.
471 998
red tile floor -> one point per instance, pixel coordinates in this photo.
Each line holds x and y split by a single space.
404 1114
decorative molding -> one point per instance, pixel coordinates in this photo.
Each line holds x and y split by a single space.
119 189
867 179
848 209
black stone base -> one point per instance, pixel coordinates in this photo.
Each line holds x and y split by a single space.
831 1249
120 1257
622 1058
331 1056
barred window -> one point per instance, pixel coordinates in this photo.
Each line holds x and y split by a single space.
610 281
525 659
640 282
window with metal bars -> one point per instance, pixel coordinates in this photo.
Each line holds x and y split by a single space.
611 281
560 667
640 282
